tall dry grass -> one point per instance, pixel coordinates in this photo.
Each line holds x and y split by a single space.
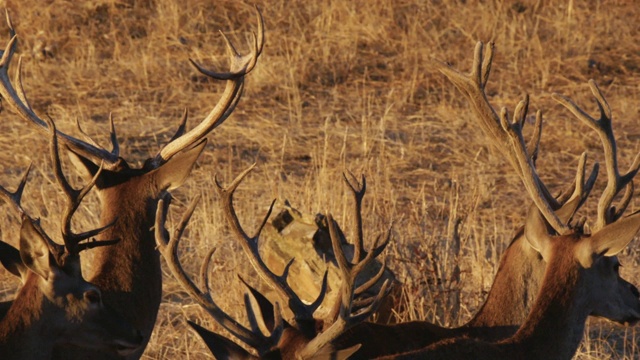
340 85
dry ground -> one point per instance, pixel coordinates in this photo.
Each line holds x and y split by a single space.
340 85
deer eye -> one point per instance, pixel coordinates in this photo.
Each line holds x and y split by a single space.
92 296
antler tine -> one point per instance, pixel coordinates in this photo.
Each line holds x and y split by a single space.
74 197
507 136
270 316
206 265
86 136
346 318
14 198
115 146
240 66
358 189
535 187
168 247
473 85
257 318
10 49
603 127
303 313
624 202
17 100
586 186
372 281
182 126
534 142
373 253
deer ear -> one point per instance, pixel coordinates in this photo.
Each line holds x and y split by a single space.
221 347
11 260
537 232
613 238
34 250
175 171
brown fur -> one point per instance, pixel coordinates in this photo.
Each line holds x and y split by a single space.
23 315
512 294
57 310
129 272
580 278
553 318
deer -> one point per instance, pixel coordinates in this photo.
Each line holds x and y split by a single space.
521 270
302 337
128 273
55 305
581 277
580 274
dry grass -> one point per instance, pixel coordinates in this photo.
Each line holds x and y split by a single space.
341 85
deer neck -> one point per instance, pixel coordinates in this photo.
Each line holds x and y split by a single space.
516 284
128 273
22 328
555 325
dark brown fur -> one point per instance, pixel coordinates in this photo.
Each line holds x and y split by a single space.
514 288
581 278
129 272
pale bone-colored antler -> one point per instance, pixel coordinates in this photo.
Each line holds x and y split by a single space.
615 181
304 320
507 136
169 249
16 97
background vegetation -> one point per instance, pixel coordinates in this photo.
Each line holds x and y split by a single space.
340 85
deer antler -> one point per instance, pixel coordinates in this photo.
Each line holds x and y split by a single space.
615 181
266 316
358 189
240 66
169 250
17 100
73 241
16 97
303 313
348 271
348 290
14 198
506 135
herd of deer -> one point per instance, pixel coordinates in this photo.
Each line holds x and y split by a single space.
554 274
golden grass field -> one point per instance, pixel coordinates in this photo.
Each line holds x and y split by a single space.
341 85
